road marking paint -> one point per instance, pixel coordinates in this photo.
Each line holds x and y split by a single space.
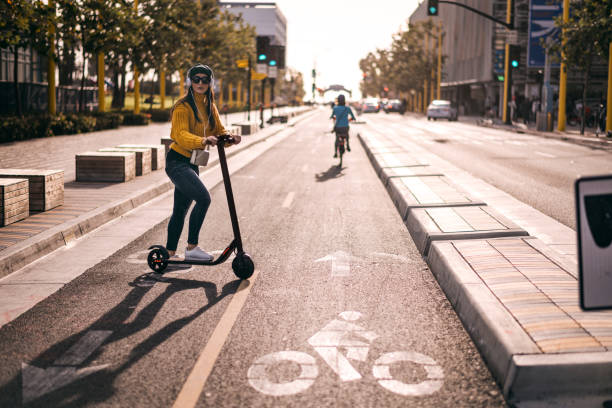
552 156
288 199
190 393
305 168
337 335
435 374
341 265
258 377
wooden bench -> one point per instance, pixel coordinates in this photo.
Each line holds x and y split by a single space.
143 158
106 166
46 187
158 153
246 128
14 201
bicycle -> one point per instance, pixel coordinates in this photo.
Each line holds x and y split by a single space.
340 143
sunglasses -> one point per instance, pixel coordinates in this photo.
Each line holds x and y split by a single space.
197 80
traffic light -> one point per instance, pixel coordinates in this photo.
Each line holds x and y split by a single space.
277 56
432 7
515 56
263 49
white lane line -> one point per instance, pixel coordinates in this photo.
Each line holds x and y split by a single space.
288 200
304 168
190 393
552 156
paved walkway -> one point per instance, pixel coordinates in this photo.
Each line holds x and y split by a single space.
516 295
86 205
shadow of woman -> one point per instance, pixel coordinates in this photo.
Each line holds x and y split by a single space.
99 386
333 172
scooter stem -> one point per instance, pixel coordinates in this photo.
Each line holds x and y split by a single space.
229 193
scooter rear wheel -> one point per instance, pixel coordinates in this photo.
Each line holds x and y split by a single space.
158 260
243 265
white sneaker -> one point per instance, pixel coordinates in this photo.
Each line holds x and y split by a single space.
196 254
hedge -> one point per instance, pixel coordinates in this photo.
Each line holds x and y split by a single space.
15 128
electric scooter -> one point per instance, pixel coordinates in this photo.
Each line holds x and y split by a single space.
242 265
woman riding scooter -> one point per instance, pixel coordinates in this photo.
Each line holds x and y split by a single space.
193 117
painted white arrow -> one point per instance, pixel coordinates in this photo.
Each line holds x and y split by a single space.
38 381
341 262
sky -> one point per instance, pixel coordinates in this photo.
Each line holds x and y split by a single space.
333 35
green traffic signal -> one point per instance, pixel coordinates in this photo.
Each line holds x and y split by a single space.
432 7
272 63
514 63
262 57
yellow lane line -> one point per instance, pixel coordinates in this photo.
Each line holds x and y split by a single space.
190 393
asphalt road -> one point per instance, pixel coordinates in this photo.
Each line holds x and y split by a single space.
538 171
339 287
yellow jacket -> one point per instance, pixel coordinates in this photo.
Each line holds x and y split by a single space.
187 133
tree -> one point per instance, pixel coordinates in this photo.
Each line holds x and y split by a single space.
15 34
586 36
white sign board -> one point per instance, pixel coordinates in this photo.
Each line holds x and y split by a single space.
261 68
272 72
594 229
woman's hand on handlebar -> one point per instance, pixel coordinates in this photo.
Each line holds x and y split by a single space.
231 139
210 140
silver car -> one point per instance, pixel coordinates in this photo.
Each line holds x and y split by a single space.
440 109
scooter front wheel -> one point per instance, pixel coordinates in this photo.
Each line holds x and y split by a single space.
243 265
158 259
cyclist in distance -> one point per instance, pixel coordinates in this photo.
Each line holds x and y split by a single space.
341 113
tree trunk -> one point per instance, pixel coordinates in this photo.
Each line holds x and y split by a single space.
116 90
123 85
16 81
584 98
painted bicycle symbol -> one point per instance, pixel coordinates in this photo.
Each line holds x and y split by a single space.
356 340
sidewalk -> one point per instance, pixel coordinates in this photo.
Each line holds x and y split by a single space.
510 273
571 134
87 205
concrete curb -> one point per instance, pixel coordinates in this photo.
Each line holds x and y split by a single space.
527 376
581 140
27 251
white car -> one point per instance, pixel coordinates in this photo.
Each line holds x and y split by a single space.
440 109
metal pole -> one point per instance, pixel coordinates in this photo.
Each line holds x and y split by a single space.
439 59
563 74
609 106
249 91
506 118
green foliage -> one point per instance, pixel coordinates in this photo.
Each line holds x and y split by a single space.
15 128
108 120
160 115
133 119
405 65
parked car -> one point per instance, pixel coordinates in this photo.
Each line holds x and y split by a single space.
370 105
440 109
393 105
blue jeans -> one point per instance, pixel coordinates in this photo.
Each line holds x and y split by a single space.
188 188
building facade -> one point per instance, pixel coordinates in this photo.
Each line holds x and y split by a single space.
474 49
266 17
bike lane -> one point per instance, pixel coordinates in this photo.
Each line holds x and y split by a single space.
344 312
339 285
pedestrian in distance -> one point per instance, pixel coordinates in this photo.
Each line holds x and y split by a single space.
195 125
